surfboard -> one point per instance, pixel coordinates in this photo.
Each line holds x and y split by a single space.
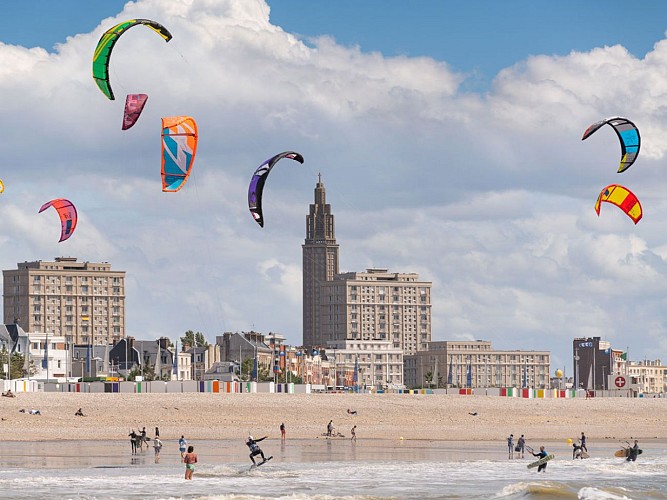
624 452
541 461
585 455
261 463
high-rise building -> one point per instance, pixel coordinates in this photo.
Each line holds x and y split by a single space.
320 264
81 301
592 361
377 305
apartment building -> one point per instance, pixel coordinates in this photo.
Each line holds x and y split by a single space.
476 364
377 305
84 302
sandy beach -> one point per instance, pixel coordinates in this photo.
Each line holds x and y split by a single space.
379 416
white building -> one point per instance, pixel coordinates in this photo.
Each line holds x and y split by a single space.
649 375
49 355
379 364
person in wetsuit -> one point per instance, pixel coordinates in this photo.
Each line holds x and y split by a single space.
255 449
542 453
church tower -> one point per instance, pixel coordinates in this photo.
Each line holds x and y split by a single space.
320 263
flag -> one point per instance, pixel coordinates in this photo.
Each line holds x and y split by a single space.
157 369
45 360
449 375
88 359
355 376
624 356
174 368
469 375
525 376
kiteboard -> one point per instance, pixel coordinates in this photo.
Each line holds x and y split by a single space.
541 461
584 455
624 452
261 463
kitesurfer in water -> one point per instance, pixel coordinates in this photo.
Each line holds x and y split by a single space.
633 452
542 454
255 449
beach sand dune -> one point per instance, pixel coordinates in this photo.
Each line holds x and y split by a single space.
379 416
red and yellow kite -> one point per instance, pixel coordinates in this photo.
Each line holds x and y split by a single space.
623 198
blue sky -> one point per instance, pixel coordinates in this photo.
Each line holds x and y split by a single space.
448 137
477 37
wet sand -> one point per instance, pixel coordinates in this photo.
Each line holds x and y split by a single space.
379 416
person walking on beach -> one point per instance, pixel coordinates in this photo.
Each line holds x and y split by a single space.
330 428
190 459
510 446
134 440
353 431
583 443
542 454
157 432
182 443
143 439
520 445
282 431
157 446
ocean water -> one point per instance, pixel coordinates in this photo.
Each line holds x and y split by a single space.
326 469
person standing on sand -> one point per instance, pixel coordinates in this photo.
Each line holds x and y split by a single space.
353 431
520 445
182 443
510 446
190 459
157 432
330 428
282 431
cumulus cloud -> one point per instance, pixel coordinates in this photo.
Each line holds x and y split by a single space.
490 196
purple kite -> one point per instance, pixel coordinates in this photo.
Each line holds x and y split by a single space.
134 105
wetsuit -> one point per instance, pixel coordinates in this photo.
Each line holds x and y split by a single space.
541 454
255 449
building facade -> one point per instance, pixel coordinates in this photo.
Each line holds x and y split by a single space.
84 302
320 264
593 363
476 364
377 305
649 375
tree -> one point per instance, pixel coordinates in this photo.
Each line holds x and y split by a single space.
194 339
18 360
263 374
428 377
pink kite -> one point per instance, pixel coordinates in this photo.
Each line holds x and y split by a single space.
134 105
66 212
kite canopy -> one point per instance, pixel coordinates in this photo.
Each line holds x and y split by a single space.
179 146
67 213
627 133
105 46
2 187
134 105
256 187
623 198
